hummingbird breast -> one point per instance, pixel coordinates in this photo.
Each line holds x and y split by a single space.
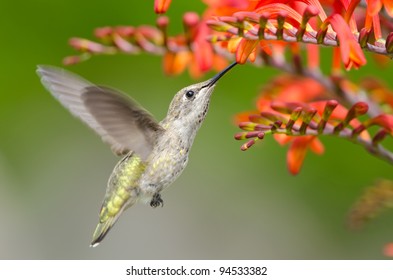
166 162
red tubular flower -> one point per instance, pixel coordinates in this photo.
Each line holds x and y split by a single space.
243 48
300 144
290 88
374 6
196 53
351 53
161 6
296 110
226 7
246 49
299 90
176 63
298 150
339 114
383 120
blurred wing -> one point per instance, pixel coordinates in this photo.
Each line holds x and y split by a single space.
120 121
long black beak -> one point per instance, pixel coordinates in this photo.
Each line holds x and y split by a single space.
214 80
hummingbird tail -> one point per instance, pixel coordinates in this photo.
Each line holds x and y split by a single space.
102 230
107 221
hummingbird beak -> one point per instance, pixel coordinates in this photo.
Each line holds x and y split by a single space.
214 80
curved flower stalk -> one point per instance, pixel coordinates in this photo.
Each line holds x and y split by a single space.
244 27
296 22
298 110
313 120
187 50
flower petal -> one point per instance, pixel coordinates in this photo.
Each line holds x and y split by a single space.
388 7
383 120
297 153
373 7
233 43
161 6
317 147
203 53
244 116
194 68
245 49
282 139
219 63
175 63
351 53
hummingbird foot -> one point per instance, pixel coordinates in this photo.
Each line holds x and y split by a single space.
156 201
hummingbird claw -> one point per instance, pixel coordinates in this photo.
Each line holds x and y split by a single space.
156 201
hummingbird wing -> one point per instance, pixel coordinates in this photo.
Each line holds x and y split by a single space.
119 120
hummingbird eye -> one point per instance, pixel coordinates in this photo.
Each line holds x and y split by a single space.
190 94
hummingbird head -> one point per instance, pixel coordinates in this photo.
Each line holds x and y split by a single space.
190 104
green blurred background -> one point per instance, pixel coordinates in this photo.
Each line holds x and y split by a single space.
227 204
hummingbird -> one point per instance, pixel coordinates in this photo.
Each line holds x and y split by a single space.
154 153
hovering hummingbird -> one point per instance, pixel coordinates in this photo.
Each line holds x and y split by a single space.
155 154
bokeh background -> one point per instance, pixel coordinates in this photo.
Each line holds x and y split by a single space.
227 204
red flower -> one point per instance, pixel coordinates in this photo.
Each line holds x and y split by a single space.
351 53
383 120
191 50
226 7
299 90
161 6
246 49
290 102
298 150
374 6
290 88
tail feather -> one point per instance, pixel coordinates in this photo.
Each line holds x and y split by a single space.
102 230
107 221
